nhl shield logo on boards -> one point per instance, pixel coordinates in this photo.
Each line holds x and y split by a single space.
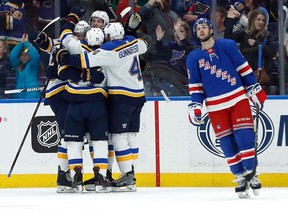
45 134
48 134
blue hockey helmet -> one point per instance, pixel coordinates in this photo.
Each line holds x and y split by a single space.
202 21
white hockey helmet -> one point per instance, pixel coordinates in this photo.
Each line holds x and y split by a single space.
81 27
102 15
95 37
114 30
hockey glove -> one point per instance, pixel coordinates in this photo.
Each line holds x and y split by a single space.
75 14
52 72
60 56
195 114
257 95
134 21
97 75
39 37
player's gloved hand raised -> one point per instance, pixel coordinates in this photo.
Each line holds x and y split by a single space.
256 94
134 21
61 57
75 14
195 114
97 75
38 37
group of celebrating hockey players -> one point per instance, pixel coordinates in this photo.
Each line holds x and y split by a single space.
99 97
95 89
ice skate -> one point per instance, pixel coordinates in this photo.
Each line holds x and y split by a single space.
127 182
64 182
109 175
242 188
89 184
102 185
255 185
77 183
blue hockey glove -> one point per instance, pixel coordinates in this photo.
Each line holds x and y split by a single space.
97 75
195 114
60 56
257 95
38 37
51 72
75 14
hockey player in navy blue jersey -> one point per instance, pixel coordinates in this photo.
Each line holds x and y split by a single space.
221 76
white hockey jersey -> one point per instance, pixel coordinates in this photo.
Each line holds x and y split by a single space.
120 60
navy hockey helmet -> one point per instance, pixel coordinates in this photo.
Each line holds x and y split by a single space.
202 21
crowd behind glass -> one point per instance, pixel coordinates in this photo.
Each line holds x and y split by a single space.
166 26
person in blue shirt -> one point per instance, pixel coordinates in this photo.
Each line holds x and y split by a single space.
25 60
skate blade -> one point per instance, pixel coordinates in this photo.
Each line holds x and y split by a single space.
66 189
101 189
128 188
243 194
90 187
256 192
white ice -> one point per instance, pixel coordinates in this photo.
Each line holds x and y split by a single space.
152 201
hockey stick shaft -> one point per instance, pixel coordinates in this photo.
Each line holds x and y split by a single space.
15 91
163 93
45 27
253 173
28 128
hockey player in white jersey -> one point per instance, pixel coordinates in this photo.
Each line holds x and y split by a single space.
119 56
222 77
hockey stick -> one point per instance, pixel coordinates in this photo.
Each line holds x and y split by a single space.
14 91
50 23
163 93
249 176
28 128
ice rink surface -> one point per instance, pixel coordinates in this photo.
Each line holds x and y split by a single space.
153 201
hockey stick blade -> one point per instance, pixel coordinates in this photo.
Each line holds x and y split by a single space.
50 23
15 91
165 96
125 11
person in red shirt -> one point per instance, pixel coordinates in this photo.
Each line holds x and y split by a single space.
122 5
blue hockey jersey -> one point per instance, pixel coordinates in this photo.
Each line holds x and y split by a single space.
219 75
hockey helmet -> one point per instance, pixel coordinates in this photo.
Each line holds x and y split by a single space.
202 21
81 27
114 30
102 15
95 37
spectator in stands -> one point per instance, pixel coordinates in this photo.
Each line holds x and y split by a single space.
180 48
241 19
256 33
25 61
5 66
220 18
158 68
12 19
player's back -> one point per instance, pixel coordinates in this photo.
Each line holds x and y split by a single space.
125 70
